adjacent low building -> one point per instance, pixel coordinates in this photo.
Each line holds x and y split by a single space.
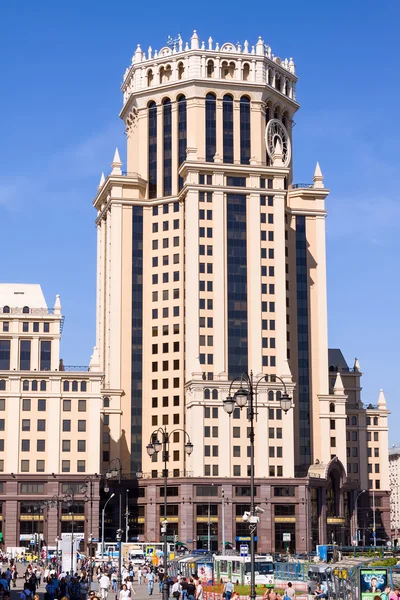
50 425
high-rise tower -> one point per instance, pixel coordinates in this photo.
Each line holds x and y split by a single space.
212 262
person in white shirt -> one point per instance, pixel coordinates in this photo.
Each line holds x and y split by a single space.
176 589
104 585
199 590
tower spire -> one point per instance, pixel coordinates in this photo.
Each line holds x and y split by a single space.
318 177
116 164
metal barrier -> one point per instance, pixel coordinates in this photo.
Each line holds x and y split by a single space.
290 571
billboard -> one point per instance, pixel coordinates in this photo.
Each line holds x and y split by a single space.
205 572
372 582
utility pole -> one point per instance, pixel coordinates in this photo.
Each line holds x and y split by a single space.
373 516
223 520
127 516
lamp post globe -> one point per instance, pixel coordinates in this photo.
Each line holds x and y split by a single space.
229 405
150 449
285 402
241 397
189 448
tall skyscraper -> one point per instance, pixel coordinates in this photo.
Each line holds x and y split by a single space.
211 262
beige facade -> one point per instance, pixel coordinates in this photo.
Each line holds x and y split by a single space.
49 419
394 478
211 262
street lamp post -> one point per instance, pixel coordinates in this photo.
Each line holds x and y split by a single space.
112 472
155 446
244 397
356 511
88 485
69 498
103 512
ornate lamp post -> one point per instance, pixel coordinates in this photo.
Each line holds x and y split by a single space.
244 397
156 445
69 498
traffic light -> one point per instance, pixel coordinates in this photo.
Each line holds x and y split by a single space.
1 537
119 534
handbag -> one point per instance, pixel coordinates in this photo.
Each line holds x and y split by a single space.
224 594
176 594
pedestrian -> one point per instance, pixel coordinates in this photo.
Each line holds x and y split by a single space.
176 589
199 590
104 585
114 581
51 589
26 593
150 582
290 592
191 589
124 593
228 590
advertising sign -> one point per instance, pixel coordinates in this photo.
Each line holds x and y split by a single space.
372 582
205 572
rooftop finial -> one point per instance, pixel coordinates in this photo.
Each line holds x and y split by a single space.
318 177
57 305
210 41
260 46
102 180
138 54
194 41
116 164
357 368
246 47
338 388
381 400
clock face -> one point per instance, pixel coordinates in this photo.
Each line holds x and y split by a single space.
275 131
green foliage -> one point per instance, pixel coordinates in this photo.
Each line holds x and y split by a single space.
384 562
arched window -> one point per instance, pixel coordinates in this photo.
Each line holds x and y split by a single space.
106 402
214 395
83 386
182 133
25 385
6 309
74 386
2 385
152 108
270 395
181 70
284 119
206 394
210 68
354 420
167 147
269 77
43 385
245 130
227 122
228 70
276 112
165 74
278 83
278 395
211 128
246 72
34 385
150 78
66 386
25 310
332 407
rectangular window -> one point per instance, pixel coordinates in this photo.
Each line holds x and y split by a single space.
40 466
25 327
26 425
81 425
82 405
66 425
66 445
65 466
24 466
81 445
236 432
41 405
25 355
236 470
67 405
40 445
41 425
25 445
6 326
5 355
45 355
26 404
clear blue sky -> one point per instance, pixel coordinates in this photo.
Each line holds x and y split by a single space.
61 67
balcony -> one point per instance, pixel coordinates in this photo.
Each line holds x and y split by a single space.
302 186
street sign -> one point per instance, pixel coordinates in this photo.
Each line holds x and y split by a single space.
286 537
243 538
244 550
